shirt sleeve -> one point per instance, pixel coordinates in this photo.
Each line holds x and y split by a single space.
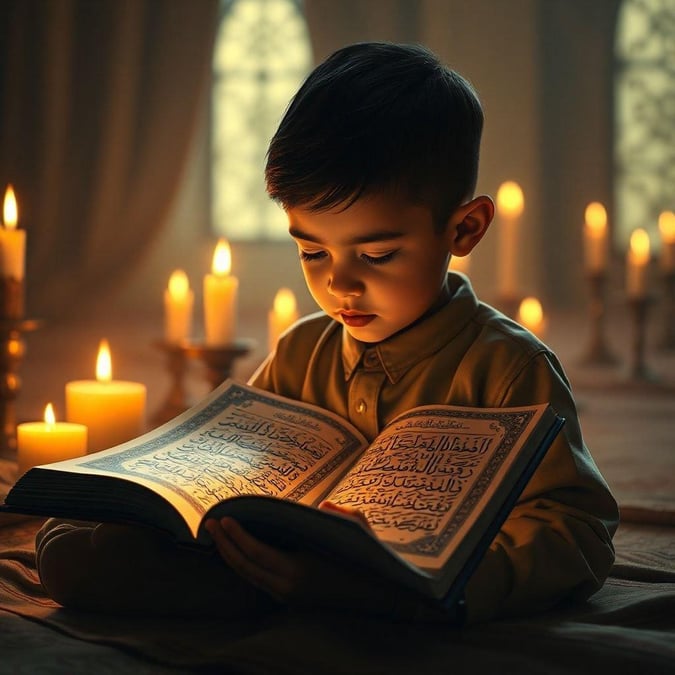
557 542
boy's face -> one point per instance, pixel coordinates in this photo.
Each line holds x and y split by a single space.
376 266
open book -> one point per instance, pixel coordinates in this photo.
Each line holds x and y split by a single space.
435 485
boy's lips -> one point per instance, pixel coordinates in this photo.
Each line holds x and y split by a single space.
355 319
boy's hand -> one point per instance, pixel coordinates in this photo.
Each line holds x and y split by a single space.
300 578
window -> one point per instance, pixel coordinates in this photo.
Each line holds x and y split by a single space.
644 116
262 55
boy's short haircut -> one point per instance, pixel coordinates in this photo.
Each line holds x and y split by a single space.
377 118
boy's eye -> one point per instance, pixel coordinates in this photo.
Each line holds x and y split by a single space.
309 256
378 259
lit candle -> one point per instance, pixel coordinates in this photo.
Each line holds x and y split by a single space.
283 314
510 205
220 298
667 230
178 304
112 410
531 315
637 261
48 441
12 239
595 231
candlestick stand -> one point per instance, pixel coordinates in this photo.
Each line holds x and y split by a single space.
176 400
639 372
667 340
12 351
218 360
598 352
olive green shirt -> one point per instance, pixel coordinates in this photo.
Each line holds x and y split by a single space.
557 541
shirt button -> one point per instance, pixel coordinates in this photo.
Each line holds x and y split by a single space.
370 359
361 407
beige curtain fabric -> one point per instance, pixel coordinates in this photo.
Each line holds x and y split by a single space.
98 104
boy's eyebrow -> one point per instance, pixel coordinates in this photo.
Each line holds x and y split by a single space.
369 238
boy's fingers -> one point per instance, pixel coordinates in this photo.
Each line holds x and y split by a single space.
262 565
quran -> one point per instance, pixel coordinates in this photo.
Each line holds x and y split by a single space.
435 485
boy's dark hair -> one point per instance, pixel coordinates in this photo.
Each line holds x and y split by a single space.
375 118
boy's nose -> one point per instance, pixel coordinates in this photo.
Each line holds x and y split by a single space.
341 284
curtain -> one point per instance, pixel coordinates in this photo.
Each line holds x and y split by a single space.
99 100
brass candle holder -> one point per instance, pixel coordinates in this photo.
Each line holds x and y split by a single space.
598 352
638 369
12 351
218 361
667 339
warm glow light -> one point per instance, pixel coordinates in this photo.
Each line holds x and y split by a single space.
179 285
10 214
104 363
531 312
639 246
596 218
222 259
667 227
284 302
510 200
50 417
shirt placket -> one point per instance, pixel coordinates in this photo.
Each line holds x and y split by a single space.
364 391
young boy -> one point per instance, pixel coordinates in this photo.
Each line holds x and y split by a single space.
375 163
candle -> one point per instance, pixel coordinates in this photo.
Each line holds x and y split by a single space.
178 304
12 239
595 231
284 313
48 441
220 298
637 261
510 205
667 230
113 410
531 315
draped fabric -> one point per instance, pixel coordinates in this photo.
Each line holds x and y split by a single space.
98 105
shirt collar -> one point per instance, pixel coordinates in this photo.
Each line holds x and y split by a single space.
400 352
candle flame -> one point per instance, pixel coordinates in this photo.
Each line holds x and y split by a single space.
667 227
530 312
179 285
50 417
104 362
510 199
284 302
596 218
639 246
222 259
10 215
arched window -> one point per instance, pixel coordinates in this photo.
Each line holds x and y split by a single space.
262 55
644 116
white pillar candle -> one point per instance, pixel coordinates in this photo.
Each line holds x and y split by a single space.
220 298
284 313
112 410
667 230
178 306
48 441
595 237
12 239
510 205
637 262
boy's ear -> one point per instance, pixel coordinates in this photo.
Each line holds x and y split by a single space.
469 223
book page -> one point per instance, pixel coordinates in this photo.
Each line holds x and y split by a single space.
424 478
240 441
